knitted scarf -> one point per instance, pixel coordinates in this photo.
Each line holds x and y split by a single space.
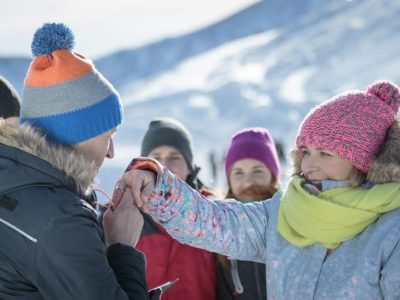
335 215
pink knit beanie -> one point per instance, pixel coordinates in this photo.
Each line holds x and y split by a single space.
255 143
353 125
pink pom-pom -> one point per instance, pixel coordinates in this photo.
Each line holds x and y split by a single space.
388 92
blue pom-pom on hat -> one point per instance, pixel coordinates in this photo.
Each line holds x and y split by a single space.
51 37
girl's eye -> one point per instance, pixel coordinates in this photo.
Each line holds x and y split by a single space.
305 151
325 154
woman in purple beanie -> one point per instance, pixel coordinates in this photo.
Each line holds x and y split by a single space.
333 233
252 170
254 149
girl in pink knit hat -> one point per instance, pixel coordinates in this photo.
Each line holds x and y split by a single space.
333 233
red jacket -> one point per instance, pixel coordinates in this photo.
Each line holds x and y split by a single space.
167 259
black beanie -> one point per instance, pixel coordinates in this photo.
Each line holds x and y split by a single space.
9 99
168 132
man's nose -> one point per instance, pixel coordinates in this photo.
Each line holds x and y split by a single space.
163 161
110 151
248 179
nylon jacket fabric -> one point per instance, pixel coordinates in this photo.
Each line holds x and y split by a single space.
365 267
251 276
51 243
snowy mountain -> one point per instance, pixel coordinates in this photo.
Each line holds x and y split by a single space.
270 78
266 66
124 66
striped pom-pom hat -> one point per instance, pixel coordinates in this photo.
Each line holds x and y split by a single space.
353 125
64 95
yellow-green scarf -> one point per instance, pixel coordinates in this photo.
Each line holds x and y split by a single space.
335 215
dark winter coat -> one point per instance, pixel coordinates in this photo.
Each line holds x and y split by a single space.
51 243
242 280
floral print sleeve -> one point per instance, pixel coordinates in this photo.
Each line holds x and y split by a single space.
224 226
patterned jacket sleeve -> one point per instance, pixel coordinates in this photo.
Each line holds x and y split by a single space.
224 226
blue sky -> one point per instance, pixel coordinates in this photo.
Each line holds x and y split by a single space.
102 27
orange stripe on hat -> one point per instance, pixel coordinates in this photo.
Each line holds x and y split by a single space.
58 67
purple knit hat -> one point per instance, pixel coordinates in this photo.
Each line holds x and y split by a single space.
353 125
255 143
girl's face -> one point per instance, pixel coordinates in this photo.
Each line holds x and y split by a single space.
250 179
320 164
172 159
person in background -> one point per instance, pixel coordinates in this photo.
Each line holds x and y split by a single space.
52 246
10 103
252 170
170 143
333 233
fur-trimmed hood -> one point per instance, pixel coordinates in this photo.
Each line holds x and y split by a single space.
65 159
386 166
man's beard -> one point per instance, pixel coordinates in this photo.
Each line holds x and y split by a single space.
255 192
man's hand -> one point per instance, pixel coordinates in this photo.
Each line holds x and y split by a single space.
123 224
140 184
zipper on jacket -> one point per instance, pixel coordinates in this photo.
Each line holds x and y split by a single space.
327 253
235 277
256 274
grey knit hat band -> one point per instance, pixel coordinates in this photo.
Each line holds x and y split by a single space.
72 95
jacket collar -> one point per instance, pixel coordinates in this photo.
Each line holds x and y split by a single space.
63 164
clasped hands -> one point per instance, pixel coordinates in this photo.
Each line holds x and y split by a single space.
123 221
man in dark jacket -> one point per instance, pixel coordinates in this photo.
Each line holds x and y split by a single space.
51 243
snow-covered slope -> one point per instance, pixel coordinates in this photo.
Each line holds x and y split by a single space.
266 66
270 79
124 66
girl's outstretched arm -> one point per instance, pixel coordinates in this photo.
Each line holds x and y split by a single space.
224 226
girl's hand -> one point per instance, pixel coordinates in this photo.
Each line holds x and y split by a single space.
140 183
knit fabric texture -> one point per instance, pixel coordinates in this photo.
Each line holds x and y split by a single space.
255 143
353 125
64 95
168 132
9 100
